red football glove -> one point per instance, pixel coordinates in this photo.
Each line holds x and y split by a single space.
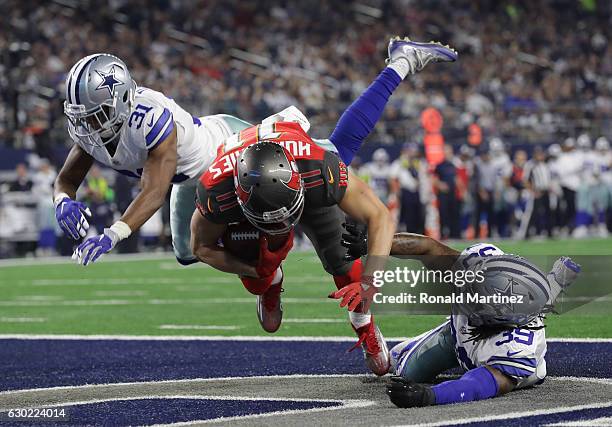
269 261
355 294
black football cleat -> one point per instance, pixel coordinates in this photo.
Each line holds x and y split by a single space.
405 393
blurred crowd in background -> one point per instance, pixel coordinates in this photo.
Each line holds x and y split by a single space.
560 190
532 76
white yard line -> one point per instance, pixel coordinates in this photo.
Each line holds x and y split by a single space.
314 320
167 259
77 303
512 415
201 327
604 421
23 319
126 293
180 381
120 281
39 297
30 262
237 338
189 301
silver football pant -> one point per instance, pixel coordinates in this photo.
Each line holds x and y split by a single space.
182 201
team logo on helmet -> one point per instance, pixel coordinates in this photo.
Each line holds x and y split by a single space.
109 80
505 276
294 181
98 107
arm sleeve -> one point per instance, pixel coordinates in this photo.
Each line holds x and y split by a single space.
325 180
475 384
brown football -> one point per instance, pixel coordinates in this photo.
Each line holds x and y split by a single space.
242 241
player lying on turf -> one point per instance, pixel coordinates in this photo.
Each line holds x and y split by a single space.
274 175
140 133
501 347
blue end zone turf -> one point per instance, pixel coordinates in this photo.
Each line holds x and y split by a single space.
583 415
165 411
48 363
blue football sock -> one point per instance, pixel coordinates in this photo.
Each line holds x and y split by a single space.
475 384
361 116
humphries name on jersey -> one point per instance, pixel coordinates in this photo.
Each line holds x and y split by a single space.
324 175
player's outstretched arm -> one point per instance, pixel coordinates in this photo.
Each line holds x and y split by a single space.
360 202
480 383
432 253
156 179
204 237
157 175
69 213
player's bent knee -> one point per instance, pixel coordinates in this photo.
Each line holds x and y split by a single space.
182 249
186 262
398 351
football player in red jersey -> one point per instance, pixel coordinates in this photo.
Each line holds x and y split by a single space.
274 175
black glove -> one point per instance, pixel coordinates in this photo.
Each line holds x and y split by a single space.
355 240
408 394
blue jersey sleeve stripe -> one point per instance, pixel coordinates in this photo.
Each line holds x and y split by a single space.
514 364
157 128
163 137
527 361
512 371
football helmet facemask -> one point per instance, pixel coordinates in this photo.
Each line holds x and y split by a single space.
269 188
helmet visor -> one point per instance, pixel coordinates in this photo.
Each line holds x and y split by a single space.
97 127
280 221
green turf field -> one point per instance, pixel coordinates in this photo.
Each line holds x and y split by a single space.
159 297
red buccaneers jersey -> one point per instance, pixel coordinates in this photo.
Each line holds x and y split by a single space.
324 175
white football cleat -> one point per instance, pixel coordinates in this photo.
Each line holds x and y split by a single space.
270 308
418 54
375 350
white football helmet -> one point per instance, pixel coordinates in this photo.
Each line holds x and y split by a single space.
99 96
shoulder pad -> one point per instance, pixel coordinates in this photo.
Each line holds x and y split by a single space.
289 114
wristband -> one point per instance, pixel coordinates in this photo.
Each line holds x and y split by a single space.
121 229
368 281
58 199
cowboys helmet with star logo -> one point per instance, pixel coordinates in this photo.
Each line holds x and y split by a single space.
504 276
99 96
269 188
